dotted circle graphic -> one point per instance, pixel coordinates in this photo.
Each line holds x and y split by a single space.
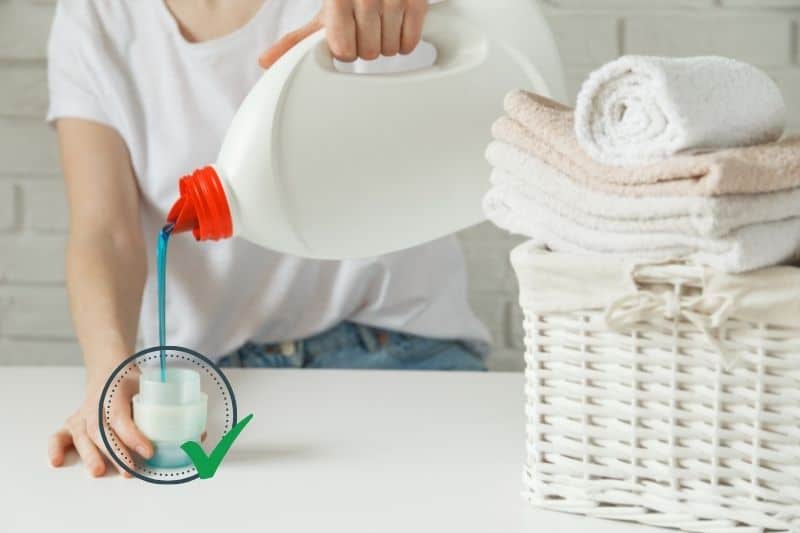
138 360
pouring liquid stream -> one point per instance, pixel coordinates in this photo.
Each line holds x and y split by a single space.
161 267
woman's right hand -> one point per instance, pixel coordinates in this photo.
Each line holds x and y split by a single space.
360 29
82 431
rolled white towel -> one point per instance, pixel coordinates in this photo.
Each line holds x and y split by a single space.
639 109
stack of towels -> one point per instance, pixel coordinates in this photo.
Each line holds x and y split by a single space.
661 159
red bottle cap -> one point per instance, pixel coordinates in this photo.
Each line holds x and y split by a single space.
202 207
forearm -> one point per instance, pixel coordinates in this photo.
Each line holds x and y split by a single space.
106 265
106 272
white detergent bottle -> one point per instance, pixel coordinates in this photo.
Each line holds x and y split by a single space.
325 164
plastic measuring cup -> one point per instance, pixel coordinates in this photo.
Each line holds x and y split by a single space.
170 413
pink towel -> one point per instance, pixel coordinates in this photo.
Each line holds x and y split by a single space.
545 129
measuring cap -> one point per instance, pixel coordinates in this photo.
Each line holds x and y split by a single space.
170 413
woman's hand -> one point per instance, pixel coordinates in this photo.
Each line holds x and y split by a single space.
107 266
81 430
360 29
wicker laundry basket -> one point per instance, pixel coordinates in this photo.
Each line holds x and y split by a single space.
663 394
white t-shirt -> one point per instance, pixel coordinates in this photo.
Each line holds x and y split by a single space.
125 64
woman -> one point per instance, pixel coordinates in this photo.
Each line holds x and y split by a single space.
141 91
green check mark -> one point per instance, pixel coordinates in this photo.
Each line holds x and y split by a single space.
207 465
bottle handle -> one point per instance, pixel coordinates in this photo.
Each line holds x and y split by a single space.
461 43
464 37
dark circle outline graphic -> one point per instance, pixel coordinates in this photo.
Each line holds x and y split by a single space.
132 359
178 355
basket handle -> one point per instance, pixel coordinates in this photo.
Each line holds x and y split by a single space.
708 315
680 275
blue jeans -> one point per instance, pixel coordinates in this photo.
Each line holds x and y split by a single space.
354 346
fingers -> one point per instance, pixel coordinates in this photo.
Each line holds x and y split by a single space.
392 27
89 453
121 452
360 28
287 42
338 17
368 28
87 443
57 447
121 430
413 20
128 433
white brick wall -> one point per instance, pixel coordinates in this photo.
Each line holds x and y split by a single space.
34 322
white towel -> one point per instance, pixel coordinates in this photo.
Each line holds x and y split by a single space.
749 248
638 109
693 215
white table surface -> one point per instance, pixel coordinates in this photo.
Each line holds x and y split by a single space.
327 451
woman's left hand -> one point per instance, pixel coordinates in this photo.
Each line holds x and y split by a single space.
360 29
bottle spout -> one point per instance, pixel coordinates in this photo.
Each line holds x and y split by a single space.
182 216
202 207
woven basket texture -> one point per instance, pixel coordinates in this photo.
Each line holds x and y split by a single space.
648 425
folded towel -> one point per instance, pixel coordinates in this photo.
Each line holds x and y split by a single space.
693 215
749 248
639 109
545 129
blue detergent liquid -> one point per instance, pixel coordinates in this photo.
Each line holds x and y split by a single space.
161 265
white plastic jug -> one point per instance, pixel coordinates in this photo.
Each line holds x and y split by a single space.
330 165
